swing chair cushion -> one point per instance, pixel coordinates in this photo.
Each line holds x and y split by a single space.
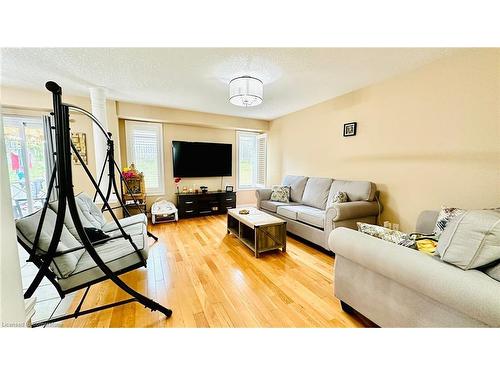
117 254
125 222
90 215
62 265
90 211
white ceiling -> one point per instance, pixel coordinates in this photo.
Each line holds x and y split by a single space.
197 78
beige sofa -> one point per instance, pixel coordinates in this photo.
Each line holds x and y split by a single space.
394 286
311 214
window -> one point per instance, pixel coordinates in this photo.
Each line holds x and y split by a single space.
145 150
252 160
29 165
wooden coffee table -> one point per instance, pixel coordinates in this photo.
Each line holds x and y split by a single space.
258 230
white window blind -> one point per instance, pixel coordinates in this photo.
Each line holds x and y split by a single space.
145 150
252 160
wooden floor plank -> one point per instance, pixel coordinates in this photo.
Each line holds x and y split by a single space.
210 279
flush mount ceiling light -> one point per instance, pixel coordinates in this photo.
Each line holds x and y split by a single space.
246 91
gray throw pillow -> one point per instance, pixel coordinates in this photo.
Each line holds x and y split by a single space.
280 194
471 240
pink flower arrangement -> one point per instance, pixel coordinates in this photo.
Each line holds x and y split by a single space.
128 174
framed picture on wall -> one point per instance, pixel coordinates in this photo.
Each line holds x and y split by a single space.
350 129
80 142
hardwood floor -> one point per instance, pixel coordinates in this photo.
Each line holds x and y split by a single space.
210 279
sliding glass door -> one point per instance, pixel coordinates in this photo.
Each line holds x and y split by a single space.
27 158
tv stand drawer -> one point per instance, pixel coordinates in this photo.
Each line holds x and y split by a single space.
202 204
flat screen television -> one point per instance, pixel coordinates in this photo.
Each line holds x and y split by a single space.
201 159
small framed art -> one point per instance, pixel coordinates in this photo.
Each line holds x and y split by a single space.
350 129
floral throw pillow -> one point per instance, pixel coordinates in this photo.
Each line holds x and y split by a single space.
386 234
281 194
340 197
445 216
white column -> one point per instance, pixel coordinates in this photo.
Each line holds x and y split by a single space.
12 311
98 102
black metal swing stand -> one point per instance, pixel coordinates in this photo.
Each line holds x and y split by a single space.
63 173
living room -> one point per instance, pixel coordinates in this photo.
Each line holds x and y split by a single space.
249 187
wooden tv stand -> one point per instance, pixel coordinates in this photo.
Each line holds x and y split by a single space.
202 204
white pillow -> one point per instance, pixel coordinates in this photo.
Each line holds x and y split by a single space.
471 240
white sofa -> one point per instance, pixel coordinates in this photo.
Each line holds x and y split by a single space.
312 215
395 286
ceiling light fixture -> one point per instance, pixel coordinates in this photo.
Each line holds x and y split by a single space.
246 91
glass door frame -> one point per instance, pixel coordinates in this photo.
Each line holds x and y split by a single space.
22 123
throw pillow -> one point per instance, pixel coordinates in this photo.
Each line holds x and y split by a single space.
281 194
387 234
95 234
340 197
427 246
471 240
445 216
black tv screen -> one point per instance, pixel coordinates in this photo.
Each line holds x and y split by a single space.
200 159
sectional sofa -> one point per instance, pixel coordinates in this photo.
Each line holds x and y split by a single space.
311 213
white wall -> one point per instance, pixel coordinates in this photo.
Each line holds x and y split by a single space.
11 300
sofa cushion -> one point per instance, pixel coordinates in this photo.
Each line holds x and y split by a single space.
289 212
272 205
62 265
297 185
471 240
356 190
316 192
312 216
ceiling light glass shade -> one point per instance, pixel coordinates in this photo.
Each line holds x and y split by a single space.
246 91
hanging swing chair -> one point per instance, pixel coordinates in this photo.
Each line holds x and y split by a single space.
57 237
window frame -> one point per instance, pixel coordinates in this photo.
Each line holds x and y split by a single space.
254 184
129 125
